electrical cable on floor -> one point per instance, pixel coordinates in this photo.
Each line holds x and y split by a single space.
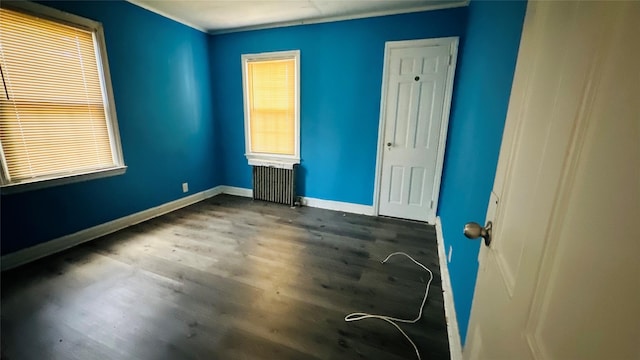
392 320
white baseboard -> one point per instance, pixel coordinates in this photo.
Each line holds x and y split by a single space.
455 346
36 252
338 206
237 191
311 202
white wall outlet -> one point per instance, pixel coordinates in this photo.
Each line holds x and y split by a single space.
185 187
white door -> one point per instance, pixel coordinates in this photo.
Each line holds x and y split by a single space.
561 278
416 94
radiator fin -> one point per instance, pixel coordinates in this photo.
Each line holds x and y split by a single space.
274 184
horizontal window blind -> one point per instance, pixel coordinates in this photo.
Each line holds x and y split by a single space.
52 112
271 86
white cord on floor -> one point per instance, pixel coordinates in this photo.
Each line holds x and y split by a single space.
392 320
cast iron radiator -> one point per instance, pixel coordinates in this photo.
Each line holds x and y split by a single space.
274 184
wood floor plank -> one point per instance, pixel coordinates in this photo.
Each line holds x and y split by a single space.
230 278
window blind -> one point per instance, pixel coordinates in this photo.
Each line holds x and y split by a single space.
52 112
272 106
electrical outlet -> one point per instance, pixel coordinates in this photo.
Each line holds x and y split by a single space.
185 187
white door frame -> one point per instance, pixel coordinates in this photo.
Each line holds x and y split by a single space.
452 42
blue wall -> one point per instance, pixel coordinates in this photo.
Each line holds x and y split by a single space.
479 108
341 75
161 83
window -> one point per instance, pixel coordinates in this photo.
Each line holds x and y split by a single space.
271 108
57 115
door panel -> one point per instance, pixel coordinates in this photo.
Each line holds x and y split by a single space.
427 131
417 78
416 186
561 279
396 184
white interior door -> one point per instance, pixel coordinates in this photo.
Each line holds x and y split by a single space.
561 278
416 95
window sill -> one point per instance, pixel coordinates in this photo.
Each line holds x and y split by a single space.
272 161
41 183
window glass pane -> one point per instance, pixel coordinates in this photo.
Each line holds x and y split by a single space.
271 89
52 113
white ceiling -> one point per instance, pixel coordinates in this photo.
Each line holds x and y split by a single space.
217 16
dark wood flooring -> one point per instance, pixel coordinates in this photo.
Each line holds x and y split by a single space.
230 278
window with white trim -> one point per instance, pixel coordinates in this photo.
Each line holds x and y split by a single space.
271 83
57 115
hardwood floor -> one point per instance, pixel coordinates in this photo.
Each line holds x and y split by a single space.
230 278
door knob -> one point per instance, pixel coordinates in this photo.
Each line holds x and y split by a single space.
389 144
473 230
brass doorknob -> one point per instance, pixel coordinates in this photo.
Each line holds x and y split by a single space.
473 230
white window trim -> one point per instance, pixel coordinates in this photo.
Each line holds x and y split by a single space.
262 159
109 103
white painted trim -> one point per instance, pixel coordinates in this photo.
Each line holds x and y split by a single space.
168 16
310 202
444 128
58 16
255 158
455 345
269 161
337 206
42 183
328 19
381 133
237 191
453 52
36 252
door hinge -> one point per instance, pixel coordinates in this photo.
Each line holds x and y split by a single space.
431 205
450 58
